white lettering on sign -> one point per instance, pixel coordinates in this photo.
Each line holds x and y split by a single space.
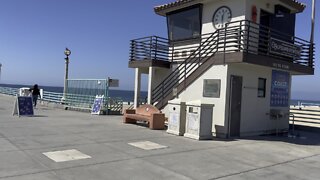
281 66
280 84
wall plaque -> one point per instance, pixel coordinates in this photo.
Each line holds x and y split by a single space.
211 88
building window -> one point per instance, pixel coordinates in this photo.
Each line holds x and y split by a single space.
211 88
262 87
185 24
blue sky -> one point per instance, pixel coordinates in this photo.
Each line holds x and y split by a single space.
34 34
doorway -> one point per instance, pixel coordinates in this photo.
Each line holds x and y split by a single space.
235 105
265 18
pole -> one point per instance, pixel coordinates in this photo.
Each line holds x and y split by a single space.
313 20
312 33
66 78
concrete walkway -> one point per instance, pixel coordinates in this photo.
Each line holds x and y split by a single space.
106 140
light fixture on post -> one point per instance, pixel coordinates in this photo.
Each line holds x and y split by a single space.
67 52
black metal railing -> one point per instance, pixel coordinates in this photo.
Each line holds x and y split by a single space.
149 48
207 48
250 38
240 36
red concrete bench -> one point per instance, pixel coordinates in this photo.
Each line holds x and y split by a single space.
147 113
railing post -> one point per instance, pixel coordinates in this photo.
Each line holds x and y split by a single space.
172 51
224 44
239 36
248 37
156 48
200 49
185 74
131 50
150 48
311 48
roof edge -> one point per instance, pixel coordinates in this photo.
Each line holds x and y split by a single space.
162 10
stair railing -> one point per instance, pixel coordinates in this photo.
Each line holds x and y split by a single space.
206 49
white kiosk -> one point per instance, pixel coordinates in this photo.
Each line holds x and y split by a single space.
199 120
177 117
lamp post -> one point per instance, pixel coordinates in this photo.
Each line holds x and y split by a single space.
67 52
313 15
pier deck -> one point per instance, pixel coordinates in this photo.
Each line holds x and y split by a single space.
106 140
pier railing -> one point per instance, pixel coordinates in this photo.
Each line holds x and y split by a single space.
307 115
9 91
78 101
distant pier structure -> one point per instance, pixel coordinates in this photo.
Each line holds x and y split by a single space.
237 55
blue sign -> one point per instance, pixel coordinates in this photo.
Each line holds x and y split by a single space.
97 105
280 89
25 106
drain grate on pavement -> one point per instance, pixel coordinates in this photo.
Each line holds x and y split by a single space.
147 145
66 155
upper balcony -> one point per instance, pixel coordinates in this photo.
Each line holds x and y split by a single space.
240 41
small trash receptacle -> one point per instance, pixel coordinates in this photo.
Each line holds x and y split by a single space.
199 120
177 117
24 91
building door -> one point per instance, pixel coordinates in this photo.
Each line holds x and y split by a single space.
264 32
235 106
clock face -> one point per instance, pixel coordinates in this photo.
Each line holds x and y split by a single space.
222 16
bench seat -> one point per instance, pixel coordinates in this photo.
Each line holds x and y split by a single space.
147 113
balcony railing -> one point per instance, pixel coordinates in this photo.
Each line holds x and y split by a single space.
150 48
240 36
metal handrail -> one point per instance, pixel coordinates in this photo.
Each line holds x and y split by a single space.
238 36
182 72
251 38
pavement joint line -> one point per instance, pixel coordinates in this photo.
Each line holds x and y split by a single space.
81 144
113 161
65 168
264 167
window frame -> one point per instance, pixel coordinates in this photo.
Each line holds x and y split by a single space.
200 6
262 89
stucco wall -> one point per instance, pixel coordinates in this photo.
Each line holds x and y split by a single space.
195 92
254 110
237 7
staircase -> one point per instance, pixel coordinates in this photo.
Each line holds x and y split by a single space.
189 70
219 47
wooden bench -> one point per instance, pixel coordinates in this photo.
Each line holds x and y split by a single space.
147 113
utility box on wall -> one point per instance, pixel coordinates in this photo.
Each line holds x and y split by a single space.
199 120
177 117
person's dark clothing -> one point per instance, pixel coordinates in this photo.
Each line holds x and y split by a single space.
35 94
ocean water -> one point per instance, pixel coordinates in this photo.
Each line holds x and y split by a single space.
125 95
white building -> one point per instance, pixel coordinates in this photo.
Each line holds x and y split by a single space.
238 55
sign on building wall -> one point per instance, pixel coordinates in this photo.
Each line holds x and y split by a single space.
279 89
211 88
284 48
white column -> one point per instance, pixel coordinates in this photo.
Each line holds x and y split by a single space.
137 87
151 75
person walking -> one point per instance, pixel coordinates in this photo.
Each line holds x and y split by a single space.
35 94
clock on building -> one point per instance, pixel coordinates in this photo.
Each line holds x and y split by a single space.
222 16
